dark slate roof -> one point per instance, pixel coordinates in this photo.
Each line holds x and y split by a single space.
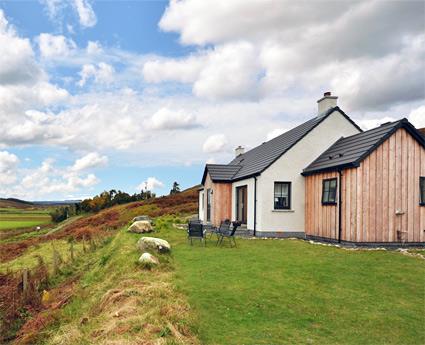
350 151
220 172
258 159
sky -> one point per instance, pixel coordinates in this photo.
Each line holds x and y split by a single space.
100 95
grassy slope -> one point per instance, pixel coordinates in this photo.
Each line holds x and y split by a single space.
122 303
293 292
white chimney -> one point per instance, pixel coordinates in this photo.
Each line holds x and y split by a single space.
239 151
326 102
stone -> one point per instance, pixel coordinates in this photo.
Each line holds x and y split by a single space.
148 259
140 227
139 218
146 243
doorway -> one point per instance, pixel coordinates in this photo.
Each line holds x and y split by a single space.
241 204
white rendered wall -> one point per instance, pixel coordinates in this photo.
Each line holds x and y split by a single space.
288 168
200 208
250 200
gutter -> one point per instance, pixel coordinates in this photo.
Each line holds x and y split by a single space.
339 206
255 205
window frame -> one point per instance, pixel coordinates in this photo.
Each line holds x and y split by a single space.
329 180
209 204
289 196
421 193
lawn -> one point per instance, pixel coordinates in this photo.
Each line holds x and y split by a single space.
294 292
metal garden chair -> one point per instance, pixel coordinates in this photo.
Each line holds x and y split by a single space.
196 231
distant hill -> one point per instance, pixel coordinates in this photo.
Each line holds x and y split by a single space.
56 202
22 204
15 203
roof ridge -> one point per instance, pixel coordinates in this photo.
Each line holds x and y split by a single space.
375 128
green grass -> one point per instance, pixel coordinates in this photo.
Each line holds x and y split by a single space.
293 292
262 292
17 219
148 304
29 258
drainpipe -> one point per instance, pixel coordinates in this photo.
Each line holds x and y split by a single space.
255 205
339 206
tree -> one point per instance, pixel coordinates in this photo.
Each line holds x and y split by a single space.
175 189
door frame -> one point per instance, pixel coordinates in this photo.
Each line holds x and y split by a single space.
244 218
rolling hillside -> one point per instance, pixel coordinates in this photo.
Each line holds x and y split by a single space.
15 203
96 240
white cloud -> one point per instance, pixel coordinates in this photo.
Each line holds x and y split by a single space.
8 165
229 71
94 48
52 46
417 117
165 118
83 9
275 133
44 181
17 64
151 184
85 13
23 85
90 160
186 70
375 65
215 143
103 73
373 123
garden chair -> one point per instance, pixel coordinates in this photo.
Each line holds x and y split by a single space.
226 232
196 231
224 227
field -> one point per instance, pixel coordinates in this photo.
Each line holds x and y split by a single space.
11 218
261 292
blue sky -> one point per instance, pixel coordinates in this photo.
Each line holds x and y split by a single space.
97 95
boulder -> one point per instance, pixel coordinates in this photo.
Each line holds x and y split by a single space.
148 259
146 243
139 218
140 227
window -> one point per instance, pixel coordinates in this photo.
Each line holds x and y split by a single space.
209 201
329 191
422 190
282 195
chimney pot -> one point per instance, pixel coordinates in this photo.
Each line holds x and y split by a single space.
327 94
239 151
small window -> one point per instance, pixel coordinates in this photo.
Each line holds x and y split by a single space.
329 191
422 190
282 195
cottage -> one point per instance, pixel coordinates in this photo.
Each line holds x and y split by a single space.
263 188
291 186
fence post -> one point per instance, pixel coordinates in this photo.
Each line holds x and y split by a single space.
72 250
25 281
55 261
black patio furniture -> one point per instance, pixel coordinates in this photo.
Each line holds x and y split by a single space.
228 232
196 231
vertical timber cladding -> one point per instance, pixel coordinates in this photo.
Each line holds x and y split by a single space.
387 193
380 198
221 206
222 202
321 220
